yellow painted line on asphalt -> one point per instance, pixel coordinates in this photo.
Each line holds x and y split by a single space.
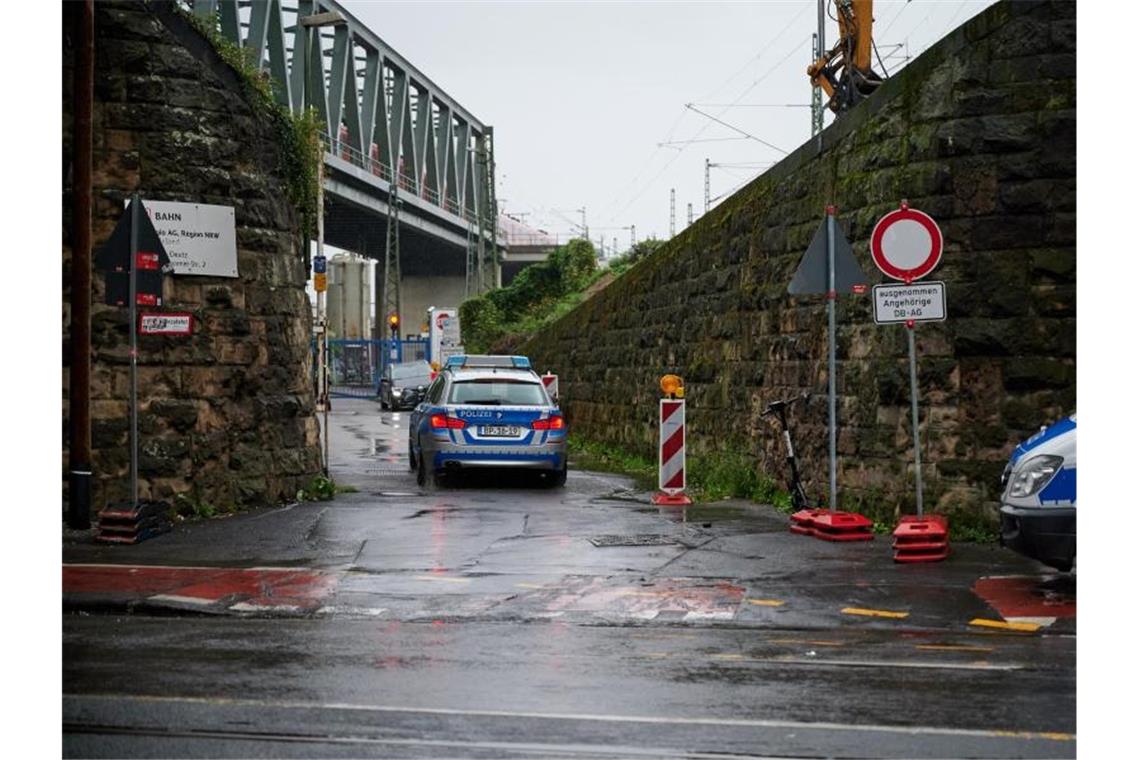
766 602
816 642
1003 625
874 613
952 648
444 578
529 585
1053 735
730 656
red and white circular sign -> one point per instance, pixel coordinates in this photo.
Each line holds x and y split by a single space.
906 244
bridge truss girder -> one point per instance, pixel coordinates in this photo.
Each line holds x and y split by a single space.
376 109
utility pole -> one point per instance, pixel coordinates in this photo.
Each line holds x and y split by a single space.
690 214
816 92
471 287
585 227
614 249
311 26
632 235
706 185
672 212
79 387
487 261
390 298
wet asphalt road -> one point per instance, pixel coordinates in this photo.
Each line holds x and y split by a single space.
495 617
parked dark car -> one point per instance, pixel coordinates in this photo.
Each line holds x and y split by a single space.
402 386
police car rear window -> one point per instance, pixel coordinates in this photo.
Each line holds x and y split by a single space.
497 393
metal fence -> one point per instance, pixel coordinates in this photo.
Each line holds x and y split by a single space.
355 366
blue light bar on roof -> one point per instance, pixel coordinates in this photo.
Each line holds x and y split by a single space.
471 361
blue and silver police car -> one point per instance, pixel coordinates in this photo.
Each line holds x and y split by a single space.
487 412
1039 497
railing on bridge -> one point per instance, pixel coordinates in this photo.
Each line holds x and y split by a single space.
356 366
372 164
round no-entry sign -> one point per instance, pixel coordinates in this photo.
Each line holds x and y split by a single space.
906 244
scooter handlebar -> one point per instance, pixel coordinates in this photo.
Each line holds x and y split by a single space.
776 406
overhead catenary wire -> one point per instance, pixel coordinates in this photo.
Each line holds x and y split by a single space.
736 129
764 49
794 49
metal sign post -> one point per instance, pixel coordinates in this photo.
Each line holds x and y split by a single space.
906 245
829 267
914 416
132 317
832 477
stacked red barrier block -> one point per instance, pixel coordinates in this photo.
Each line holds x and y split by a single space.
831 526
922 539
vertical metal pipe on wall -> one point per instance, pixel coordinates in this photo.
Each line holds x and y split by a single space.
79 390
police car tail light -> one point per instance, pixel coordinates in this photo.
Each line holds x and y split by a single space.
1034 474
553 423
443 422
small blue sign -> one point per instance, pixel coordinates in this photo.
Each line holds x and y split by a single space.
319 264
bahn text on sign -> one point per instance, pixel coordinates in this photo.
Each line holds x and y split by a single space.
917 302
179 323
200 239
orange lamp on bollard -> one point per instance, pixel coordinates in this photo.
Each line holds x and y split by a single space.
671 446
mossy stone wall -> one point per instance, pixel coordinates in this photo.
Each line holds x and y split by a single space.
227 415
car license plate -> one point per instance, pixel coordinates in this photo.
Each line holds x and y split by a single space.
505 431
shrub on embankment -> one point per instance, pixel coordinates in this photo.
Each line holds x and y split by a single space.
539 294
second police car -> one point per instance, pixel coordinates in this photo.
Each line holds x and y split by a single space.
487 412
1039 496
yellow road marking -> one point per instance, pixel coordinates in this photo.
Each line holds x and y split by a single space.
529 585
816 642
729 656
1054 735
766 602
953 648
874 613
443 578
982 622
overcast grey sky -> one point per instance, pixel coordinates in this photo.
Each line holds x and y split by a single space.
581 94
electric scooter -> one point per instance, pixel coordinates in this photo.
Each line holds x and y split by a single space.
779 410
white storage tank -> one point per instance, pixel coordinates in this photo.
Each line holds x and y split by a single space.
350 297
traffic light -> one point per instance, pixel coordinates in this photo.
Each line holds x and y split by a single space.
394 324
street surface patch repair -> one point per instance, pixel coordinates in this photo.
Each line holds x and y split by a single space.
674 599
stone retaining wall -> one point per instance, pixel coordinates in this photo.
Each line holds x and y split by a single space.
227 415
979 132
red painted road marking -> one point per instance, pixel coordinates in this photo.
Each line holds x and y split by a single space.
261 587
1025 597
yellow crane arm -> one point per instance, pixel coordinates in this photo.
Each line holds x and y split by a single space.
845 72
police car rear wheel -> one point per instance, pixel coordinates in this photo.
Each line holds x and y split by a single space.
558 479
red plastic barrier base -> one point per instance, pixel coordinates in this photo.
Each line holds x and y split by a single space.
662 499
922 539
831 526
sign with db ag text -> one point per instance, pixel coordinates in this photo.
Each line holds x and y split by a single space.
174 323
917 302
199 239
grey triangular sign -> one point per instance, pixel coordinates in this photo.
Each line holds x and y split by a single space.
811 275
115 255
